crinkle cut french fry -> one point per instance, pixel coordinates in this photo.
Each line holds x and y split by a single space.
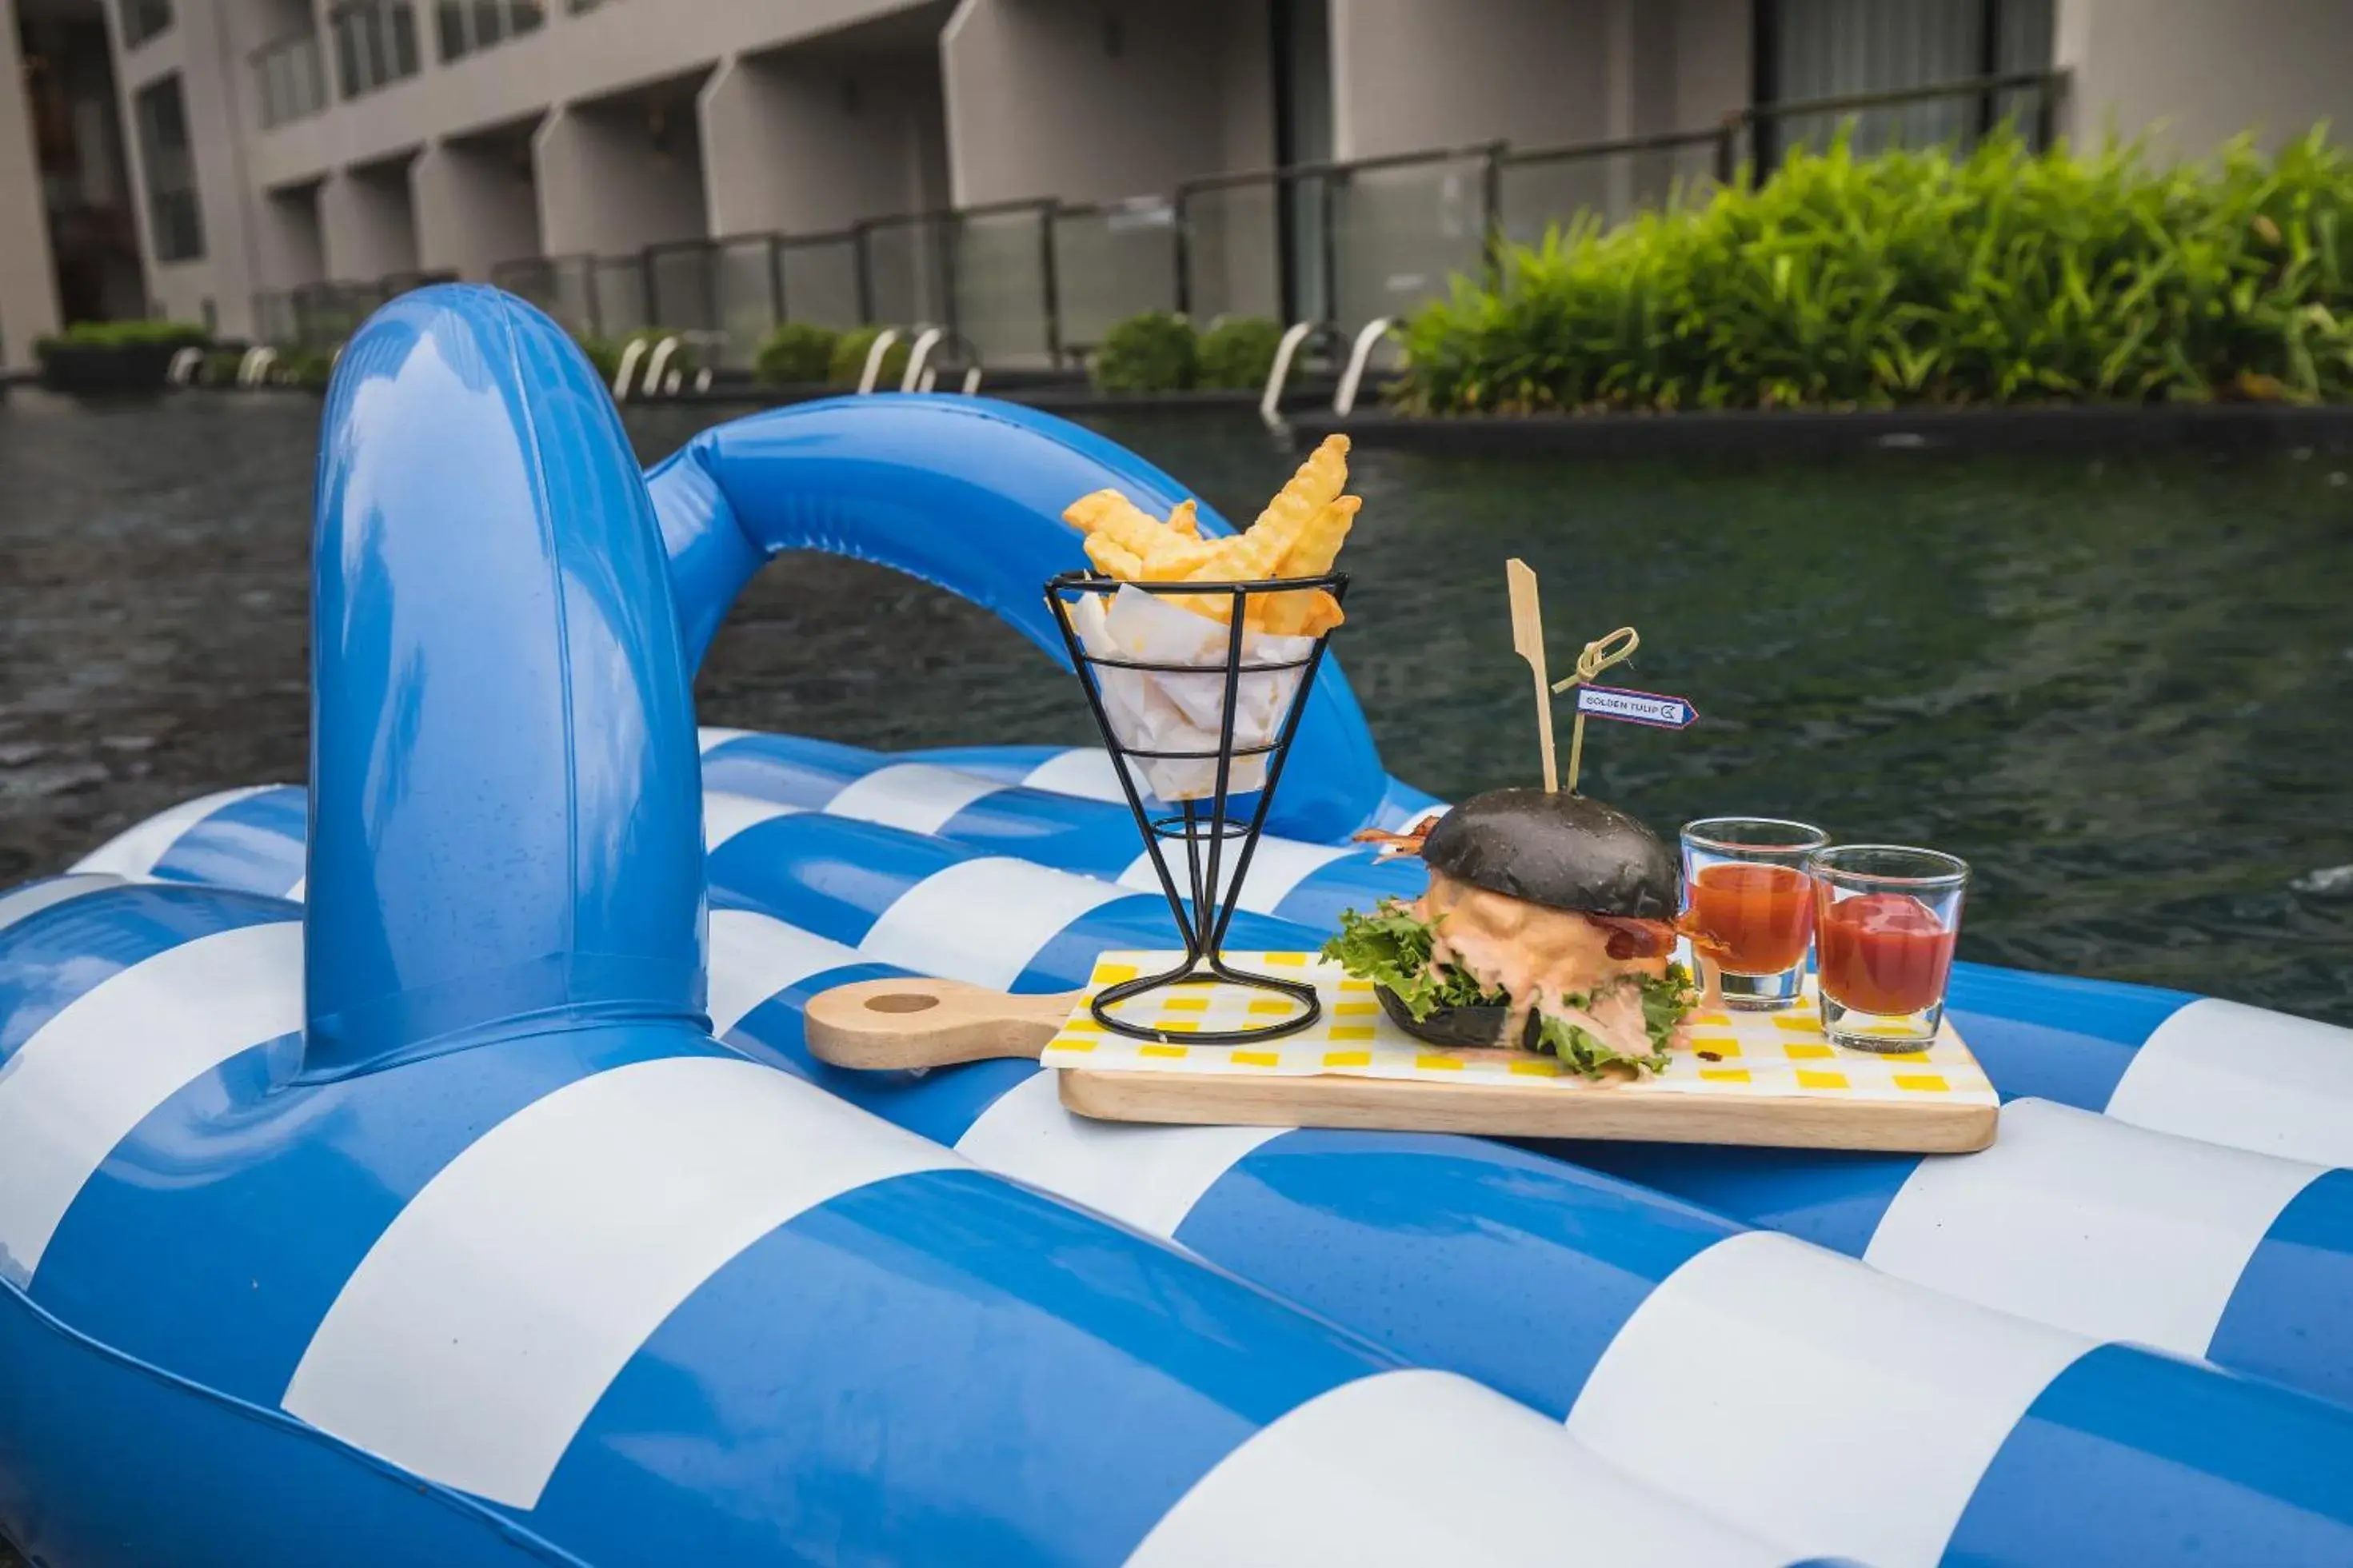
1082 513
1318 545
1302 612
1107 514
1114 558
1185 519
1316 485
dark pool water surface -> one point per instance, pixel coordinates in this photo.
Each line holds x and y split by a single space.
2123 689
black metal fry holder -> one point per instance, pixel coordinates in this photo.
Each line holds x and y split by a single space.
1203 898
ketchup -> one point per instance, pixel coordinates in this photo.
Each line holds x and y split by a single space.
1883 953
1751 919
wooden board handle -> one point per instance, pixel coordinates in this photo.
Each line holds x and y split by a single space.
918 1023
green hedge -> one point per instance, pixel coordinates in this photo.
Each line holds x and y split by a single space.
1239 353
308 368
794 353
126 334
1922 276
850 352
1156 352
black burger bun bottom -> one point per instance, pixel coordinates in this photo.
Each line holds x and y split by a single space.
1564 851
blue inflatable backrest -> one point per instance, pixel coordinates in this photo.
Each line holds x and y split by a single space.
506 804
967 493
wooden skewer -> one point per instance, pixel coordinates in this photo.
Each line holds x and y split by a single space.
1527 641
1599 656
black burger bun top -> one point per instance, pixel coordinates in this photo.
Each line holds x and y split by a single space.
1564 851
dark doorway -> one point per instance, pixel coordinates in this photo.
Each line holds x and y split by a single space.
78 143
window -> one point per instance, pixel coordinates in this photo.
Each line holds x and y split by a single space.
466 26
375 44
289 80
175 223
142 19
1834 49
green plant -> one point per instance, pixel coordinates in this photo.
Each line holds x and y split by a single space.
1156 352
309 369
1239 353
221 366
850 352
796 352
128 334
2001 276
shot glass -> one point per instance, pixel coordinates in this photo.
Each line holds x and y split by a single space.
1885 919
1749 906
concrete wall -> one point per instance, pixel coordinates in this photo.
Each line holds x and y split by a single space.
289 245
1095 102
206 46
809 144
2197 72
366 222
1408 75
605 188
573 58
28 284
477 205
1411 74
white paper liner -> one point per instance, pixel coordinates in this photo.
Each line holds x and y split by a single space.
1154 710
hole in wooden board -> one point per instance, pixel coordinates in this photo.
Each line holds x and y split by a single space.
901 1002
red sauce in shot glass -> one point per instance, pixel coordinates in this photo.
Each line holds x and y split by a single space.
1883 953
1751 919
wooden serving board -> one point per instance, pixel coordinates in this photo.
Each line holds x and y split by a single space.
1756 1078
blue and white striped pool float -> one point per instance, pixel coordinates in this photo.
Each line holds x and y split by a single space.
423 1218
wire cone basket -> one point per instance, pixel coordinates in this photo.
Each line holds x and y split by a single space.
1199 719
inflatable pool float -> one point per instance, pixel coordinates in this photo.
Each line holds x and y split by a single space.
428 1167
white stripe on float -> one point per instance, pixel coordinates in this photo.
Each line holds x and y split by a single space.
1403 1470
301 886
2075 1219
709 737
724 816
483 1326
30 899
918 797
134 851
1083 772
753 956
1148 1177
102 1066
983 921
1840 1412
2247 1077
1279 867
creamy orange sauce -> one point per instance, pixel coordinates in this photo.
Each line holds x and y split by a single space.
1540 956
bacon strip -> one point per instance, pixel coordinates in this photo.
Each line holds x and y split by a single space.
1394 844
1633 938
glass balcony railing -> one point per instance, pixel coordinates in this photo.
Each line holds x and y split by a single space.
290 79
375 44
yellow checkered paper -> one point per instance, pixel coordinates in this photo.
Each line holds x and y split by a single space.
1741 1055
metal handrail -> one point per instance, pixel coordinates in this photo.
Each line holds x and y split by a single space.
1338 167
1889 98
875 354
1369 337
1270 400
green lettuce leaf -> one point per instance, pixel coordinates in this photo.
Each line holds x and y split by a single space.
1391 948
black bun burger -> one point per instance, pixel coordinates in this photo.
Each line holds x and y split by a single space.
1553 913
